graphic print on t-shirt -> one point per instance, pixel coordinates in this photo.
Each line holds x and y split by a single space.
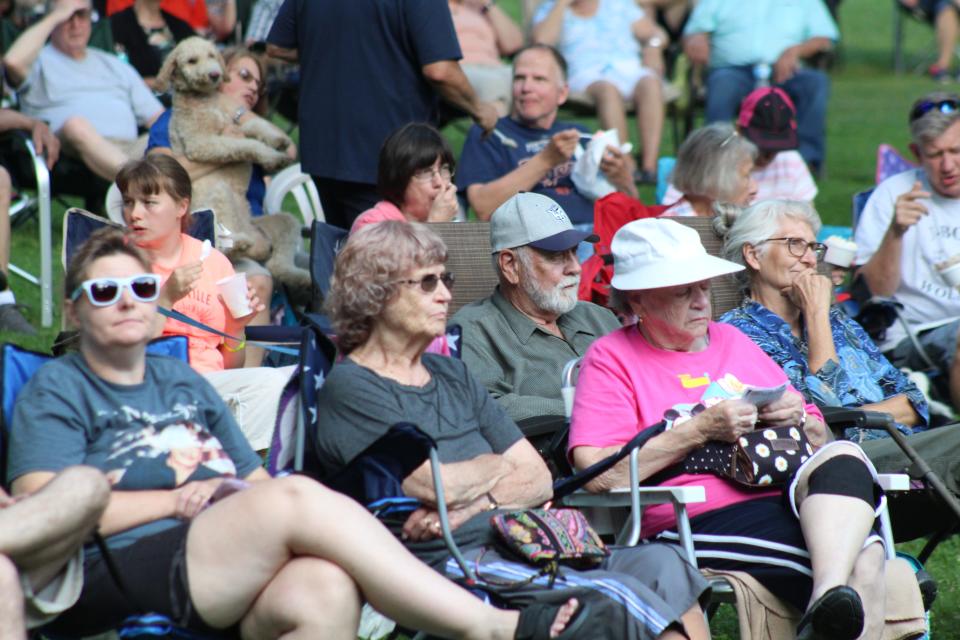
149 451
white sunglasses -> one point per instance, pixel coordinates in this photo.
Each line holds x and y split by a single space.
103 292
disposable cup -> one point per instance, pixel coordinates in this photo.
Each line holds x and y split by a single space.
233 289
839 256
951 274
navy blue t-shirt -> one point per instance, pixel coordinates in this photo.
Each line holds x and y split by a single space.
486 160
256 188
360 75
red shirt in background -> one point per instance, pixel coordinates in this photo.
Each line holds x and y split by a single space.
193 12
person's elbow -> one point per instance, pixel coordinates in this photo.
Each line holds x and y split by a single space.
441 72
282 53
15 72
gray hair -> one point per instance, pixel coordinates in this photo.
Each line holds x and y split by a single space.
757 223
933 123
709 160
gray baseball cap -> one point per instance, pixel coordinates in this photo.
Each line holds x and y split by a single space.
535 220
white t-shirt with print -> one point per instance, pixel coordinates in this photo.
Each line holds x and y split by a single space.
927 299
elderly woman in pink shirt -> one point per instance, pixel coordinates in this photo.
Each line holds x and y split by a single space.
811 542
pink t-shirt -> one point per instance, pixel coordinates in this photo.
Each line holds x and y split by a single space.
625 384
383 210
478 40
201 304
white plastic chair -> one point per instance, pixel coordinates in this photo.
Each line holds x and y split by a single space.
113 204
293 180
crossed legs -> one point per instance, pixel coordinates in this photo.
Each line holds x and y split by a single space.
99 154
835 528
39 534
301 558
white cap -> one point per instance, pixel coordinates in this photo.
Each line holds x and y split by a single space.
658 252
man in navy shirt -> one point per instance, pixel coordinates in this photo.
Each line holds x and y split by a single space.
366 68
535 152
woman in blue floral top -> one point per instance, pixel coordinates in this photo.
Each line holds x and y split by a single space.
788 313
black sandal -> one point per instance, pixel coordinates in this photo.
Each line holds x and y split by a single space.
836 615
536 619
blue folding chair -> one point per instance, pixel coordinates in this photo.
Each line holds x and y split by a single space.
17 365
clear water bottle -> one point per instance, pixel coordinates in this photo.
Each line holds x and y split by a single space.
761 75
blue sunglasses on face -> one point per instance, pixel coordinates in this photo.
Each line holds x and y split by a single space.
103 292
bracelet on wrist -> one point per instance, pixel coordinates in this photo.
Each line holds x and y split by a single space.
492 504
240 345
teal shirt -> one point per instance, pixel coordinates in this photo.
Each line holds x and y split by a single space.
758 31
517 360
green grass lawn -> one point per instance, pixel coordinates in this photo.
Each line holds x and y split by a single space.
868 106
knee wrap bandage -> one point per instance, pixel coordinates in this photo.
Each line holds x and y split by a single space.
844 475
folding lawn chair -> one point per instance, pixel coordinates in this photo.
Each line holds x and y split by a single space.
17 365
468 258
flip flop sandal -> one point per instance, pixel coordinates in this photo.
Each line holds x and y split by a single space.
536 619
836 615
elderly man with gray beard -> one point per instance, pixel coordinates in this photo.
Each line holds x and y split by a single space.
517 340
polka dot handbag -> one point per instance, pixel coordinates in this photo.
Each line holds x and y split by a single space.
765 456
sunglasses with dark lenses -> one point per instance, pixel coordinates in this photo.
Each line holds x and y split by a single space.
946 106
429 282
103 292
798 246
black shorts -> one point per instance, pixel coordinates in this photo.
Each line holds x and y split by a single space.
154 573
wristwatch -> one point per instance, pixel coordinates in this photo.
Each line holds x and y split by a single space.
656 42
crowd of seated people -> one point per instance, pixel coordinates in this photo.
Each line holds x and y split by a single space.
210 541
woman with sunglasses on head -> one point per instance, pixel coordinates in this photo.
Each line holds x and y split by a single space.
415 178
272 558
156 204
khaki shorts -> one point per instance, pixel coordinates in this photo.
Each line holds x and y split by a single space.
56 597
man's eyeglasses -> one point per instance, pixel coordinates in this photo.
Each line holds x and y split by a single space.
946 106
103 292
798 246
426 175
429 282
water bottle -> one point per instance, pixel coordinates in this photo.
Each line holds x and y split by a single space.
761 75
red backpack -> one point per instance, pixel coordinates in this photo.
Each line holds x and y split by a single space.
609 214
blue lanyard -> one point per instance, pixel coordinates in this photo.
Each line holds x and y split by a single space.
176 315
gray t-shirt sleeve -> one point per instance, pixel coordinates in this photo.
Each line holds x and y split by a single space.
48 432
145 105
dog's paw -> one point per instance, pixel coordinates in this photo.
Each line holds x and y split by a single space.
276 161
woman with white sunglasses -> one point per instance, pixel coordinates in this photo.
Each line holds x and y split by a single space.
269 558
156 207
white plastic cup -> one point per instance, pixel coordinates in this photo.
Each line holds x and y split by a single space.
951 274
233 290
839 256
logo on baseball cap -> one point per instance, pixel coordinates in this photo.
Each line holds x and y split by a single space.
535 220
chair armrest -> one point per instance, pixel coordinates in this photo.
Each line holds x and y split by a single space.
648 495
843 418
894 481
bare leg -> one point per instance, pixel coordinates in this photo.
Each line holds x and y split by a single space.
41 532
648 97
99 154
6 188
834 528
868 580
275 521
946 25
263 285
610 109
954 379
12 624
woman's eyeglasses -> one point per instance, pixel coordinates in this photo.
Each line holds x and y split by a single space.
103 292
798 246
426 175
247 76
946 106
429 282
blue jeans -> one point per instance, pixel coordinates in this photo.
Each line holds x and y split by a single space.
808 88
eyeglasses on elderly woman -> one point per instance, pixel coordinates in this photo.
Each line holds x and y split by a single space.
798 246
429 282
103 292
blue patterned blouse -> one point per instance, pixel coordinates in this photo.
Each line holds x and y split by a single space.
862 376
